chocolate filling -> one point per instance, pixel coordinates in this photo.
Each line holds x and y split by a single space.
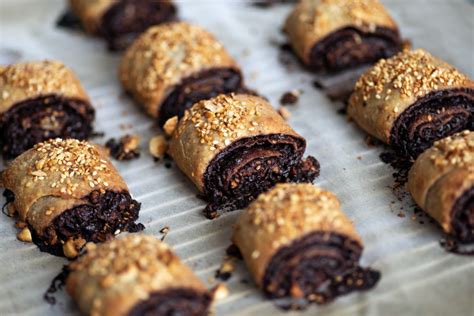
249 166
350 47
35 120
432 117
173 302
463 217
317 267
126 19
97 220
201 86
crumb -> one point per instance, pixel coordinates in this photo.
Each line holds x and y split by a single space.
126 148
317 84
401 214
359 157
165 230
225 270
290 98
170 126
24 235
158 146
284 113
220 292
413 218
97 134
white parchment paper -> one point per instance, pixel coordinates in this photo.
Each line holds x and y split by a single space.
419 278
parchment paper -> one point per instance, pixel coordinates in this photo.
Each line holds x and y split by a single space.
419 278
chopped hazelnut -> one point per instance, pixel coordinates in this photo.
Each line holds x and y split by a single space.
158 146
24 235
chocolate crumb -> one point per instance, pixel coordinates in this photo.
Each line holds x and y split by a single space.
401 214
225 270
165 230
56 285
234 252
317 84
290 97
126 148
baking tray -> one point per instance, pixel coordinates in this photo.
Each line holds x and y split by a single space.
418 276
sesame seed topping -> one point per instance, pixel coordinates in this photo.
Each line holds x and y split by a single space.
456 151
411 73
70 158
219 119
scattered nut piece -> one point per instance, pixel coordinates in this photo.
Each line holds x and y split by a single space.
69 249
25 235
170 125
284 113
126 148
158 146
220 292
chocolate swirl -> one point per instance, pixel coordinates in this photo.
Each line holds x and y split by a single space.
435 116
251 166
351 47
37 119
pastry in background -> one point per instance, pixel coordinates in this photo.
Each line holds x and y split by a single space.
234 147
334 35
441 182
297 243
120 21
172 66
41 100
411 100
66 193
133 276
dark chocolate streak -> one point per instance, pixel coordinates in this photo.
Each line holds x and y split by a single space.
350 47
96 220
462 216
35 120
432 117
317 268
201 86
251 165
175 302
126 19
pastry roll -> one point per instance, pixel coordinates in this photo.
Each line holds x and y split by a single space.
68 192
133 276
173 66
296 240
119 21
411 100
39 101
333 35
442 183
235 146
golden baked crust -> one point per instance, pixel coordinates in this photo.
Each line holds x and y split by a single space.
282 215
22 81
90 12
313 20
165 55
387 89
54 176
442 174
212 125
110 278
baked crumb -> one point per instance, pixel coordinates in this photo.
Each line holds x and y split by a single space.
25 235
284 113
126 148
158 146
220 292
170 126
290 98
